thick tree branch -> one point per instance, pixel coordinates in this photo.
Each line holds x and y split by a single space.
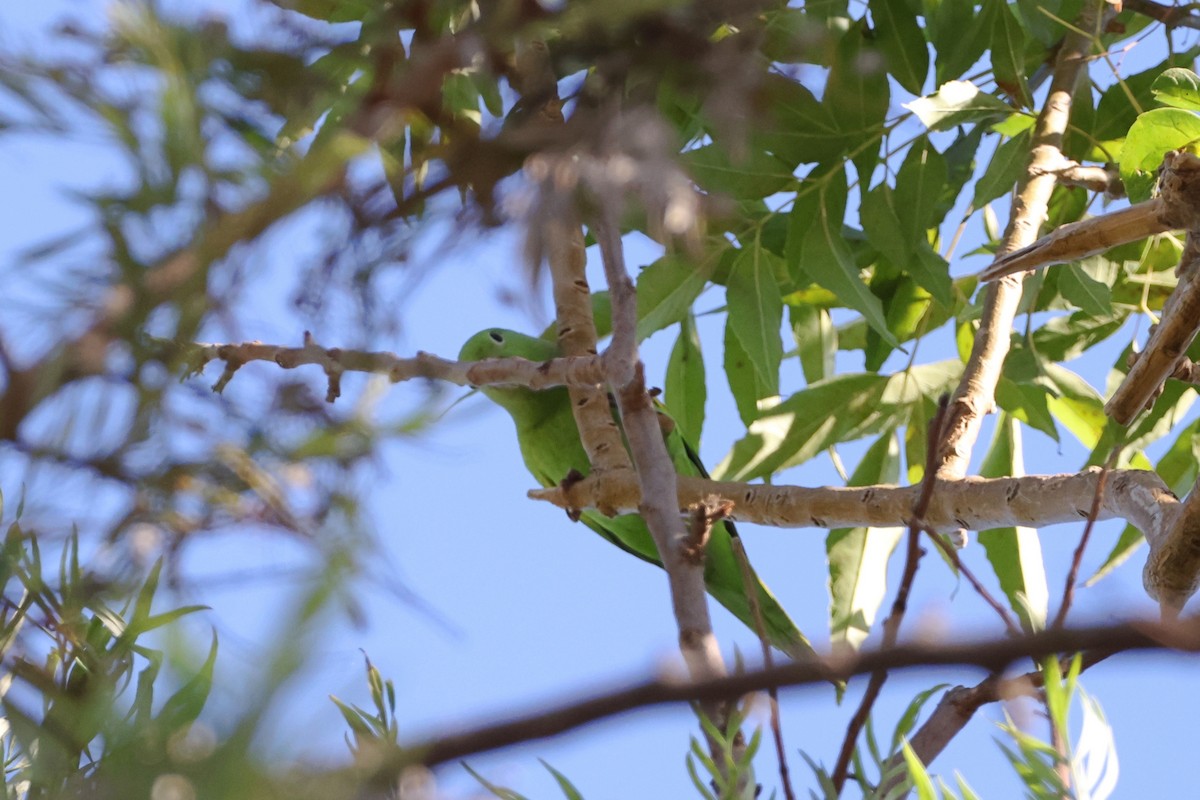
1088 237
1180 195
1035 501
975 394
1172 16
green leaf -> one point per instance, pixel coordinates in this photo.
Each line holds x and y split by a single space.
882 226
956 33
918 188
686 388
827 260
816 340
758 175
184 707
1028 402
957 103
744 382
568 789
932 273
800 427
1065 338
1004 170
1083 291
1129 541
1179 88
857 96
858 557
918 775
1152 135
667 288
1015 553
800 129
497 791
901 40
908 719
756 310
1008 50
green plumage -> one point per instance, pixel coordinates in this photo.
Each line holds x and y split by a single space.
551 447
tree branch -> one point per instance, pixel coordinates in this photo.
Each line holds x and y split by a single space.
1179 184
1171 16
976 391
991 655
1138 496
1087 237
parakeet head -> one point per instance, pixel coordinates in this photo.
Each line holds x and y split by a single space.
522 403
501 343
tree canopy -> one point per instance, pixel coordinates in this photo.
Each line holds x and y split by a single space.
798 197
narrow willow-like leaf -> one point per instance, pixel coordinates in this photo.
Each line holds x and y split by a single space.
801 131
799 428
816 340
1008 50
1015 553
756 176
667 288
956 33
686 388
1003 171
919 186
1083 291
902 41
827 260
744 383
756 311
568 789
858 557
857 96
957 103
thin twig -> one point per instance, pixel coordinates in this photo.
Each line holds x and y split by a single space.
975 395
1077 560
750 586
951 553
891 626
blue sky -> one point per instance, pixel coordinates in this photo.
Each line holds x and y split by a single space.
531 609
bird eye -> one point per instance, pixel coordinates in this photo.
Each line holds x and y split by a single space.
497 337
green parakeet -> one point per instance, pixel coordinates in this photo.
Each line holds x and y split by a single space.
550 445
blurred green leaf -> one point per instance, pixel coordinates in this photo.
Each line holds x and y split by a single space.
902 41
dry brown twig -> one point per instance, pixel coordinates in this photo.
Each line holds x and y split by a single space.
994 656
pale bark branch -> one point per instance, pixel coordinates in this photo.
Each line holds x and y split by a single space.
974 397
1180 187
1077 240
1172 571
1034 501
579 371
656 473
